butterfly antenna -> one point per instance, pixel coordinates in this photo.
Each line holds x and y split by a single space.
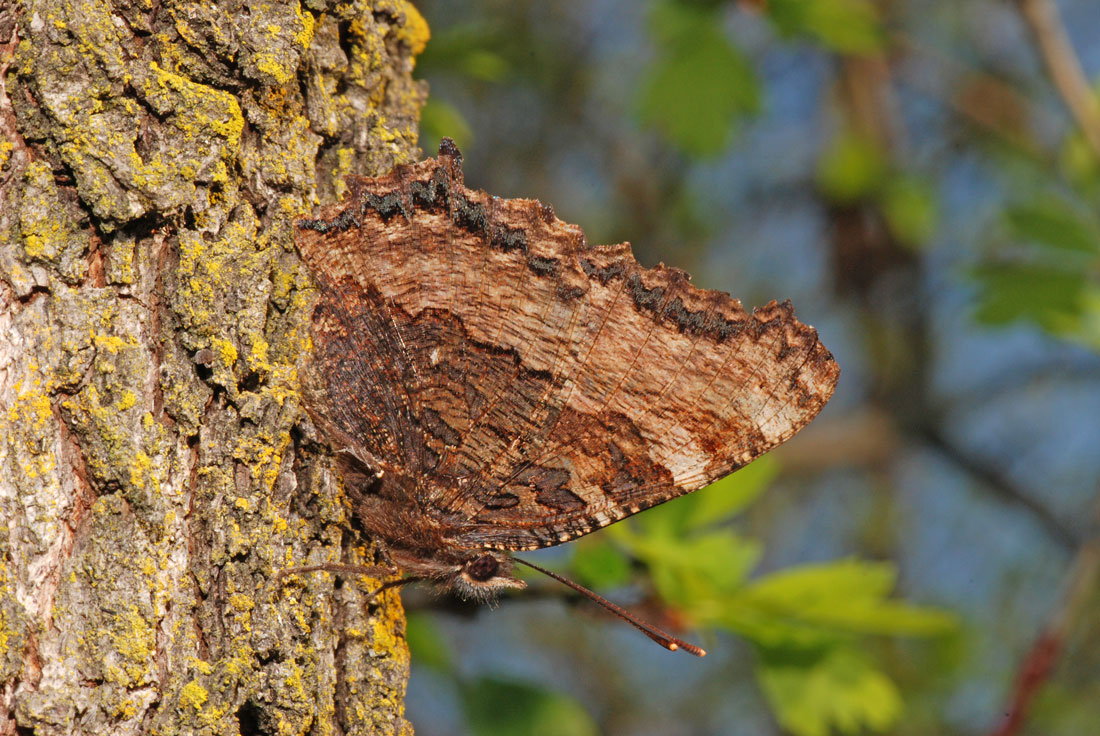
663 638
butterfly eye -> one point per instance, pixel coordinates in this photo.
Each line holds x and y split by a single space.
482 568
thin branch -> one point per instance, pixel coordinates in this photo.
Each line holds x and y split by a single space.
1083 577
1038 665
1063 66
1002 485
870 438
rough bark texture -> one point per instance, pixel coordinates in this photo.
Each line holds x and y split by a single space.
155 467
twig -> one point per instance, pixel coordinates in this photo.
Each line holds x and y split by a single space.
1002 485
1039 662
1064 66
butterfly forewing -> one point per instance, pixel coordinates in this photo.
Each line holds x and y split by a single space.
530 387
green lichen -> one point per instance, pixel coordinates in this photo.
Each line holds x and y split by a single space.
134 639
109 411
48 233
13 629
195 109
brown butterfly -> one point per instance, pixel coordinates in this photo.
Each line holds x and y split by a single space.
492 383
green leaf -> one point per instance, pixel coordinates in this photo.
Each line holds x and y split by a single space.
718 502
426 646
1081 164
819 604
440 119
700 84
467 49
1051 297
836 688
729 496
598 564
848 26
1088 328
485 65
815 582
1054 223
503 708
693 571
851 168
909 206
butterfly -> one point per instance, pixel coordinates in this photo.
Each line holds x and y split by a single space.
491 383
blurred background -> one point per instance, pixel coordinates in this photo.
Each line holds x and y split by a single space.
921 178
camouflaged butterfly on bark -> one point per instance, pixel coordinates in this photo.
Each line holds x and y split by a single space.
493 383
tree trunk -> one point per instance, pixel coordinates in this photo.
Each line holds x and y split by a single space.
156 470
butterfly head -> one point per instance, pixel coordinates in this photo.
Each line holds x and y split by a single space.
483 575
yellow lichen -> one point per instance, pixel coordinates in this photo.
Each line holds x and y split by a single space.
257 355
271 65
293 681
140 466
112 343
201 665
241 603
45 228
305 36
194 695
134 639
226 350
198 101
415 33
345 159
127 400
386 624
31 402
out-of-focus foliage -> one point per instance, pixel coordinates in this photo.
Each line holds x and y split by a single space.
848 26
804 622
700 84
497 707
948 220
853 169
816 692
1047 269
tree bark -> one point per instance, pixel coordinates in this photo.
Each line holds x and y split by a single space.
156 470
